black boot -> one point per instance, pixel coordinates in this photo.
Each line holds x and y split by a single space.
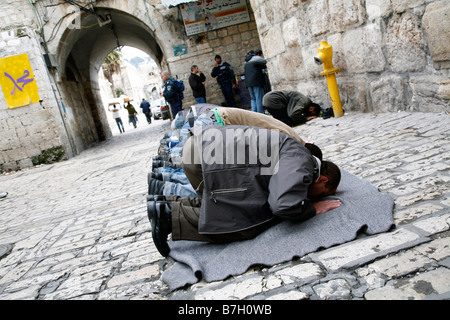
155 186
162 227
153 175
151 208
151 204
164 157
160 163
153 197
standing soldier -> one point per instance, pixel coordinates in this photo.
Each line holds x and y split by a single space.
226 79
173 92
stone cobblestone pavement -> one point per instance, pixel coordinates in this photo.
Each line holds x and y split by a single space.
79 229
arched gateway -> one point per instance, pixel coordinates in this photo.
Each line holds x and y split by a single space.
66 43
391 57
82 48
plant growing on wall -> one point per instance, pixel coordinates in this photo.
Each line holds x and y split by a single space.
49 156
111 65
119 92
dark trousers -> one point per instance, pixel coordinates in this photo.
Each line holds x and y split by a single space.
132 119
227 90
185 218
176 107
120 125
149 117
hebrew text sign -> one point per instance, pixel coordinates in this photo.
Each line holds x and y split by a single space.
17 81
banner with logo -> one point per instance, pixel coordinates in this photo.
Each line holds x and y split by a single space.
17 81
205 15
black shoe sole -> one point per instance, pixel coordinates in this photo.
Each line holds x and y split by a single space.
151 209
160 243
155 186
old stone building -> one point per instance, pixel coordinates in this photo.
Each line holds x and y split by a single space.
392 55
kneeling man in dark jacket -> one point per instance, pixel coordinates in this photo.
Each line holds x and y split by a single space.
290 107
251 178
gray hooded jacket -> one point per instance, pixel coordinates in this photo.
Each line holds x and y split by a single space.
254 75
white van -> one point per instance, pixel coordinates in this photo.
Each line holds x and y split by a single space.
160 109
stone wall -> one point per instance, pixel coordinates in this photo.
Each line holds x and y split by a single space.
68 114
392 55
231 43
29 131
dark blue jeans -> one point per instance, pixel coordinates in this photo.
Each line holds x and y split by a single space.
149 117
176 107
256 94
120 125
227 90
200 100
132 119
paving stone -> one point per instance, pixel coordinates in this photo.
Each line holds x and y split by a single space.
333 290
291 295
395 266
414 186
85 235
77 279
56 259
138 291
431 193
433 224
81 289
78 262
365 250
29 293
437 249
433 284
71 246
412 213
5 249
133 276
239 289
299 274
42 281
16 272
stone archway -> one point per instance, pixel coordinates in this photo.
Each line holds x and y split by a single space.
80 49
67 41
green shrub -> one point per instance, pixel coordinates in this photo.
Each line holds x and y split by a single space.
49 156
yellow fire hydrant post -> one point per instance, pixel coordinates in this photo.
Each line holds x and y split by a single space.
324 56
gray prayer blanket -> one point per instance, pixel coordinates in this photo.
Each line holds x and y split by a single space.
363 208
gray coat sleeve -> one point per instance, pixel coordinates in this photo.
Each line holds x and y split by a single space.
288 187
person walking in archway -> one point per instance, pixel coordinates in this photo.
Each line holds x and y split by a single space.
145 106
131 114
116 115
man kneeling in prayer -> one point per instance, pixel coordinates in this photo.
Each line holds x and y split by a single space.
248 179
